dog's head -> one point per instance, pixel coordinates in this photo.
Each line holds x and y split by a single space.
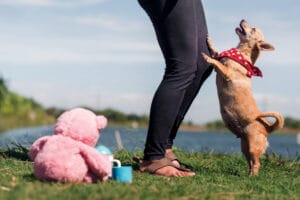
252 39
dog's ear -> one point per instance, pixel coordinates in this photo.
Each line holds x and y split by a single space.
265 46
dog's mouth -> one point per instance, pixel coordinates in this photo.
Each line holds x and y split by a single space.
241 29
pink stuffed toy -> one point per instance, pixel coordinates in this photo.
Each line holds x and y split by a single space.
69 155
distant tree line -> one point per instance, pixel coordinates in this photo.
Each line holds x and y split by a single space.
215 125
114 116
18 111
3 89
289 122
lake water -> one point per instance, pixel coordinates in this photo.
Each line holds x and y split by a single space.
134 139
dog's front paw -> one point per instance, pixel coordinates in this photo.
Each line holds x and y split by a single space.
209 42
207 58
211 48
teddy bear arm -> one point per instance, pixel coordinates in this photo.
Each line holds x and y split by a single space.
37 146
98 163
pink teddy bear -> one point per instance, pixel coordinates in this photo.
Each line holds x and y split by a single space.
69 155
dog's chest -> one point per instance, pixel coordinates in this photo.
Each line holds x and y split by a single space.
229 90
234 96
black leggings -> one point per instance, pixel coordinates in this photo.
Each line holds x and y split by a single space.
181 31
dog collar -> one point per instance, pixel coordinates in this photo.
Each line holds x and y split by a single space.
236 55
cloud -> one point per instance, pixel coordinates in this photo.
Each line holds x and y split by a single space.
286 105
111 23
43 53
25 2
66 39
47 46
47 3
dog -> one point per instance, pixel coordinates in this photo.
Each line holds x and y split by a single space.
238 108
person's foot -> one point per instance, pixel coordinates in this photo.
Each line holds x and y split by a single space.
168 166
168 171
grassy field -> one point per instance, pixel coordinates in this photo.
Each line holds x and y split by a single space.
218 177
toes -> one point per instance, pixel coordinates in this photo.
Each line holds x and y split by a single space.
173 172
185 173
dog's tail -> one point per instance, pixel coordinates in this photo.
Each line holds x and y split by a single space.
271 126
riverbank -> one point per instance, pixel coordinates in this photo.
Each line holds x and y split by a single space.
190 128
133 139
199 128
217 177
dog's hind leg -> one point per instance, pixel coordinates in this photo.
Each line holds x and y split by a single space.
254 163
245 150
251 156
254 146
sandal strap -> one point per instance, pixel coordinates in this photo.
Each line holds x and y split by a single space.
160 164
171 156
182 166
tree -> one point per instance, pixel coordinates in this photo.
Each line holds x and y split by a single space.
3 89
290 122
218 124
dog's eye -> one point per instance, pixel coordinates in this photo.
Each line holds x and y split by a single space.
253 29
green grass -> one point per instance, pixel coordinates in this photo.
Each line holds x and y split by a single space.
218 177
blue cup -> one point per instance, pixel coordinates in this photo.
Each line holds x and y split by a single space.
122 174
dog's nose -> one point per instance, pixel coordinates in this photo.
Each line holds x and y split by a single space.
243 21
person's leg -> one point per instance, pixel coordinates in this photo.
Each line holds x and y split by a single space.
176 29
202 73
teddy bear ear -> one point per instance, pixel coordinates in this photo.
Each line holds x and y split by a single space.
101 121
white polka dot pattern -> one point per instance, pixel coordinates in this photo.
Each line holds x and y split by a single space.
236 55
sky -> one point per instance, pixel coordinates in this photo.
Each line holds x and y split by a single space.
104 53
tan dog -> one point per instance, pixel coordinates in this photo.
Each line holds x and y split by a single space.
238 108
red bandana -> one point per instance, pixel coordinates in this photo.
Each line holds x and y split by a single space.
236 55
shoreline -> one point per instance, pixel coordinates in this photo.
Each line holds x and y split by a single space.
287 131
184 127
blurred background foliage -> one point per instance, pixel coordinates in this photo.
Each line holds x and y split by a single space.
19 111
